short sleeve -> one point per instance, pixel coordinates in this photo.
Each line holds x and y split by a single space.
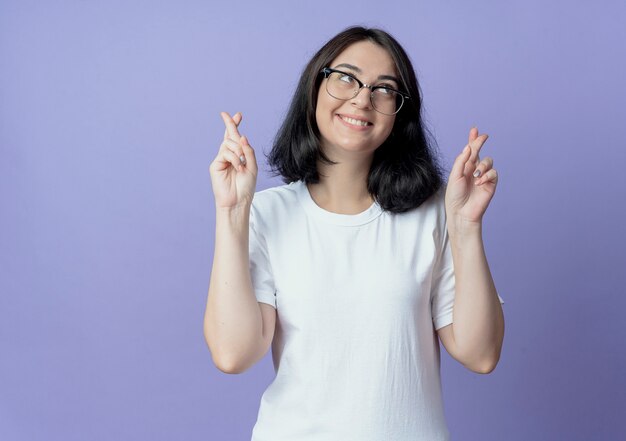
443 284
260 268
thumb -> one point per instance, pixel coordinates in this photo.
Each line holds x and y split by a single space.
248 152
459 163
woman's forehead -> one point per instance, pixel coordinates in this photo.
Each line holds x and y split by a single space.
366 58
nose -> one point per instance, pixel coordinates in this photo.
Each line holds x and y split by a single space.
362 99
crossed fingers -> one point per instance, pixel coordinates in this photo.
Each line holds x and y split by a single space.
232 138
480 169
231 126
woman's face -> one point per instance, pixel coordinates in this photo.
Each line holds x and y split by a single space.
367 62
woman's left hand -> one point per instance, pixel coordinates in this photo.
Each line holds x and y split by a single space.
467 195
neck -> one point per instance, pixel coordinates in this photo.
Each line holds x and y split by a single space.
342 187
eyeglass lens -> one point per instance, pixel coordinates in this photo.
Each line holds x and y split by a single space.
344 87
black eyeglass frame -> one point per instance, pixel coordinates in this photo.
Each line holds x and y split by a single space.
328 70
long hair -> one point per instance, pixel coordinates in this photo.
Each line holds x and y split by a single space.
405 170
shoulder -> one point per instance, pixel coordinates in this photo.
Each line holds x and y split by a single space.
428 219
437 207
273 202
273 196
438 204
436 201
433 209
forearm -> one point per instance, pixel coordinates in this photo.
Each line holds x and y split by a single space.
233 324
478 326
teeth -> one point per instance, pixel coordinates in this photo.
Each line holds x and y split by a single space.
356 122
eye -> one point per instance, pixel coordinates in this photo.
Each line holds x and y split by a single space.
346 78
384 90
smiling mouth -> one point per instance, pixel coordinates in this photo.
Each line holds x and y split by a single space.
354 122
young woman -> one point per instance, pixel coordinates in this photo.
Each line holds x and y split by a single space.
354 268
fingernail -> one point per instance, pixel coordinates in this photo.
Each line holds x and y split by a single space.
242 158
477 173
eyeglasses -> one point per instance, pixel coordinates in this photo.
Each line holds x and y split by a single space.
344 86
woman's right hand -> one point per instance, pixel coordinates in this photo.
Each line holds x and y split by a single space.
233 181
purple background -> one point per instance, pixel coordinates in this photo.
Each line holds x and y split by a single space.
109 119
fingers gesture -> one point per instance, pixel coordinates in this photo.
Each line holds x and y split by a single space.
472 182
234 169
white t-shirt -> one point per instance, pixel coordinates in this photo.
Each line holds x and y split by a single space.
358 298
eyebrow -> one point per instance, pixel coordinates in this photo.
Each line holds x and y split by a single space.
359 71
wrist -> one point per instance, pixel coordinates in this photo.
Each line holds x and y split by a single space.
240 206
235 216
460 227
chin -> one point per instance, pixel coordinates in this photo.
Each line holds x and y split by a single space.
357 147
